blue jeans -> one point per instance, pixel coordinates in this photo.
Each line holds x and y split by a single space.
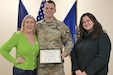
17 71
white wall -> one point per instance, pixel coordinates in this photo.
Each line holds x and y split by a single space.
103 11
8 21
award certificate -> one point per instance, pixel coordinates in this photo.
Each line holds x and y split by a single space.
50 56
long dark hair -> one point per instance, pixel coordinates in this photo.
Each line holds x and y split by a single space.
97 27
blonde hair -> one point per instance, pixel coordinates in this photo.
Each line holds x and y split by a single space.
23 23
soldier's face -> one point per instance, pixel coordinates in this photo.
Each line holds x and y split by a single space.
49 10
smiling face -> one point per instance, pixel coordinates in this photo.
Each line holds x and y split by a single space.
49 10
29 25
88 24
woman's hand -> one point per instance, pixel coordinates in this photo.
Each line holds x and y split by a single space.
20 60
78 72
84 73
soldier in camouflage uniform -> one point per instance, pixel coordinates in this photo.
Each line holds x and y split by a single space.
51 34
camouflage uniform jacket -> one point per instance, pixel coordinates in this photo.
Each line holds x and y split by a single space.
52 34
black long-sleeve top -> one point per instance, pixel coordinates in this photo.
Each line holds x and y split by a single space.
92 56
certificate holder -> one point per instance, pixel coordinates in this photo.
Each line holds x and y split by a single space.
50 56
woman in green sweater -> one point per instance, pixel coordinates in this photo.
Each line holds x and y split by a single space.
27 48
91 53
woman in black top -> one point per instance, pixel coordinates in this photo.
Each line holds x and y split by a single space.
91 52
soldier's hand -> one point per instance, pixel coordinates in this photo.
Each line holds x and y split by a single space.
63 55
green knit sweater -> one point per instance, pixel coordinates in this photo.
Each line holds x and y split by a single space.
23 49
